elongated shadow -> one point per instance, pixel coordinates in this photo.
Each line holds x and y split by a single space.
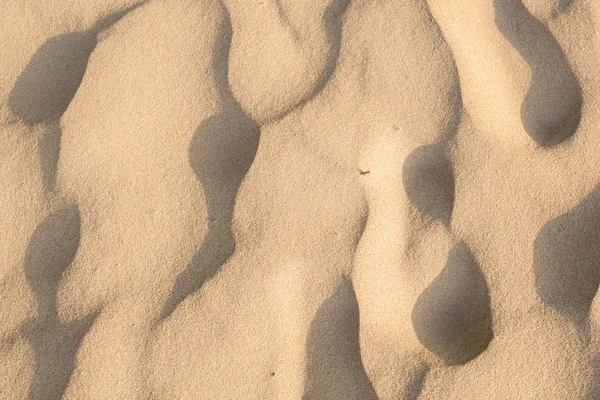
51 250
220 153
452 317
566 260
551 110
47 85
415 386
49 151
334 366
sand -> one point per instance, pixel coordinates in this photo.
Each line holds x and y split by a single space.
300 199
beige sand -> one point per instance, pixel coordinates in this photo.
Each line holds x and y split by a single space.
300 199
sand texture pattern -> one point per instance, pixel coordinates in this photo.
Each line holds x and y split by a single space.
300 199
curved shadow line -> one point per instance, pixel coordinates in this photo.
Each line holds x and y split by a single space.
332 20
427 174
285 18
220 153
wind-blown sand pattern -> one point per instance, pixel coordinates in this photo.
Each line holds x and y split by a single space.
300 199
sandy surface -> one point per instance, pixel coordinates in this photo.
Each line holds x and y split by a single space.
300 199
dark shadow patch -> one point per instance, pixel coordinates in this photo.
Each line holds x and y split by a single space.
415 386
55 349
47 85
452 317
45 88
551 110
334 366
51 250
562 6
49 152
50 80
220 153
566 260
429 182
454 98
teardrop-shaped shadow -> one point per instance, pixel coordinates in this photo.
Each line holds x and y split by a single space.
51 250
551 110
429 182
50 80
452 316
566 260
220 154
334 366
45 88
43 91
